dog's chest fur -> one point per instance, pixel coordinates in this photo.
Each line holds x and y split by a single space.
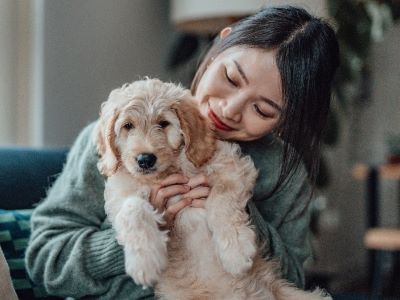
192 262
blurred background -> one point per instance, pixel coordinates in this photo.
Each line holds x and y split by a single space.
60 59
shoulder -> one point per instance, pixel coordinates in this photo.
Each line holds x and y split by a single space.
291 200
79 182
266 149
267 154
83 158
84 144
85 137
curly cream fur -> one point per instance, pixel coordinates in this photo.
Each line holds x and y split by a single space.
211 253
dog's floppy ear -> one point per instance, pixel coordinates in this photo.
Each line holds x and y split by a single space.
105 140
198 137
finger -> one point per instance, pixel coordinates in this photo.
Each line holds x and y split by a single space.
153 192
199 203
198 192
177 207
174 179
198 180
170 180
163 194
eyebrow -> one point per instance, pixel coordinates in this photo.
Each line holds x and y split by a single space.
244 77
242 74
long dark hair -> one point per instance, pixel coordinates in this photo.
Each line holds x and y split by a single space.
307 56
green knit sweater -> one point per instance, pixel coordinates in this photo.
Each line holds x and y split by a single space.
73 250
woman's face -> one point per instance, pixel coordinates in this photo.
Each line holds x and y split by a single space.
240 93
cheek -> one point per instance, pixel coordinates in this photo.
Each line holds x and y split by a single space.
210 90
256 130
209 84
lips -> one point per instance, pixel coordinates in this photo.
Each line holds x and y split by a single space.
217 122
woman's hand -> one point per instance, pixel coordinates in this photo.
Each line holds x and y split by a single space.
199 190
194 192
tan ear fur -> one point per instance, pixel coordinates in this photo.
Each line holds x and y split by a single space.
200 142
105 141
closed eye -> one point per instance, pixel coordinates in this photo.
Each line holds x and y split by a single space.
262 113
230 80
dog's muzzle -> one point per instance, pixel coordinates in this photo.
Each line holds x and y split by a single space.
146 161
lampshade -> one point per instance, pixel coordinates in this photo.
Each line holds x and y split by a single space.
210 16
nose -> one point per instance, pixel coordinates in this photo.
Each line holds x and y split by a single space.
146 160
232 109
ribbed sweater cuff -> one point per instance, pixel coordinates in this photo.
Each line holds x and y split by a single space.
104 257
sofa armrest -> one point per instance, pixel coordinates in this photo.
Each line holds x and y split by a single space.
26 173
6 287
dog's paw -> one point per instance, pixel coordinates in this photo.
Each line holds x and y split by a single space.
145 267
236 249
146 256
144 272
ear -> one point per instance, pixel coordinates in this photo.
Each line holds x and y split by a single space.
225 32
105 141
198 137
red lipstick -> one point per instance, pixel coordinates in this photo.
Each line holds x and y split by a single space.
217 122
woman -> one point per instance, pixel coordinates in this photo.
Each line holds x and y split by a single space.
265 83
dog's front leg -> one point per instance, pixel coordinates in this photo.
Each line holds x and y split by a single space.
145 245
234 240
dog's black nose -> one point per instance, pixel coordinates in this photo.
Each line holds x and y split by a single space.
146 160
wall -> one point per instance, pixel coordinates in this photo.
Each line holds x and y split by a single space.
91 47
8 28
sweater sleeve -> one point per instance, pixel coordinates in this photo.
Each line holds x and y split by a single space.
72 249
281 220
285 232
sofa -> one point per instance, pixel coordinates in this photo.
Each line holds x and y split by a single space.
25 176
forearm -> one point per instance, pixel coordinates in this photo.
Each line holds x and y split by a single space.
72 259
72 262
291 259
291 254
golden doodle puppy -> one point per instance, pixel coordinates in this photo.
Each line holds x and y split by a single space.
148 130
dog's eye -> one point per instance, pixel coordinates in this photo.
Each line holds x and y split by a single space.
163 124
128 126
